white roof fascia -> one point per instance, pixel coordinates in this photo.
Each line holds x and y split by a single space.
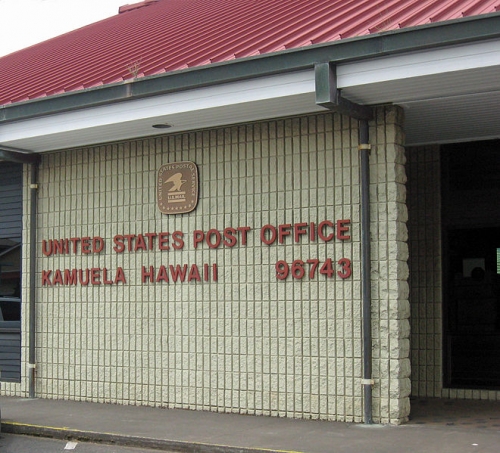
417 64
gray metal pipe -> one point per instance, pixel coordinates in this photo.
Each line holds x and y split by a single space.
32 282
364 149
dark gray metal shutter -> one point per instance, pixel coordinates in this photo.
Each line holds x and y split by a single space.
11 210
11 200
10 351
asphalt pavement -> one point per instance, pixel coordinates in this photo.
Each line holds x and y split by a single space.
13 443
472 430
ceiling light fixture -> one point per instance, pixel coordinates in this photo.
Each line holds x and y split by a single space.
162 126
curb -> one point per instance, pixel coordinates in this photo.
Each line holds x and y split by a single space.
125 441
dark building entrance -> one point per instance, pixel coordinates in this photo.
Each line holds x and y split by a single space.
471 264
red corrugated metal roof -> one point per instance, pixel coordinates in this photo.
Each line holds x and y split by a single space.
153 37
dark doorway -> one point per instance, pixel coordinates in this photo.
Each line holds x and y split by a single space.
471 264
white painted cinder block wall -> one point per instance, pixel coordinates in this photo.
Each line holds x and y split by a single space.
247 343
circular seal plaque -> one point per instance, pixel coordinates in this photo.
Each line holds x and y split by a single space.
177 187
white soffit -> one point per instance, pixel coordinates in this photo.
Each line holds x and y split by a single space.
454 119
249 100
449 94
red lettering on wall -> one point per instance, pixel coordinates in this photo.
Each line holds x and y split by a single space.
129 238
178 272
84 281
59 246
299 230
46 278
283 230
268 234
70 276
321 232
147 274
162 274
325 231
67 246
243 231
97 244
86 245
105 279
345 265
119 244
229 237
84 277
214 238
47 247
213 245
178 236
198 237
58 278
140 243
150 237
95 276
342 228
163 239
312 231
194 274
75 242
120 276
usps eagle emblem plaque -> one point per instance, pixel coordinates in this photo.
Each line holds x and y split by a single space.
177 187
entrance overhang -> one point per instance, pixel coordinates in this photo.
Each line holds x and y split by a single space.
449 94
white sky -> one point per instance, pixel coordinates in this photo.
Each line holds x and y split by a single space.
28 22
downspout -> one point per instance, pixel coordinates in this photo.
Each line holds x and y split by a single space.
367 382
32 282
330 97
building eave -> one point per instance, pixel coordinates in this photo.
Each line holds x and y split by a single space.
471 29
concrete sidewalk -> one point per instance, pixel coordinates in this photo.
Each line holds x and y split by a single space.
209 432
